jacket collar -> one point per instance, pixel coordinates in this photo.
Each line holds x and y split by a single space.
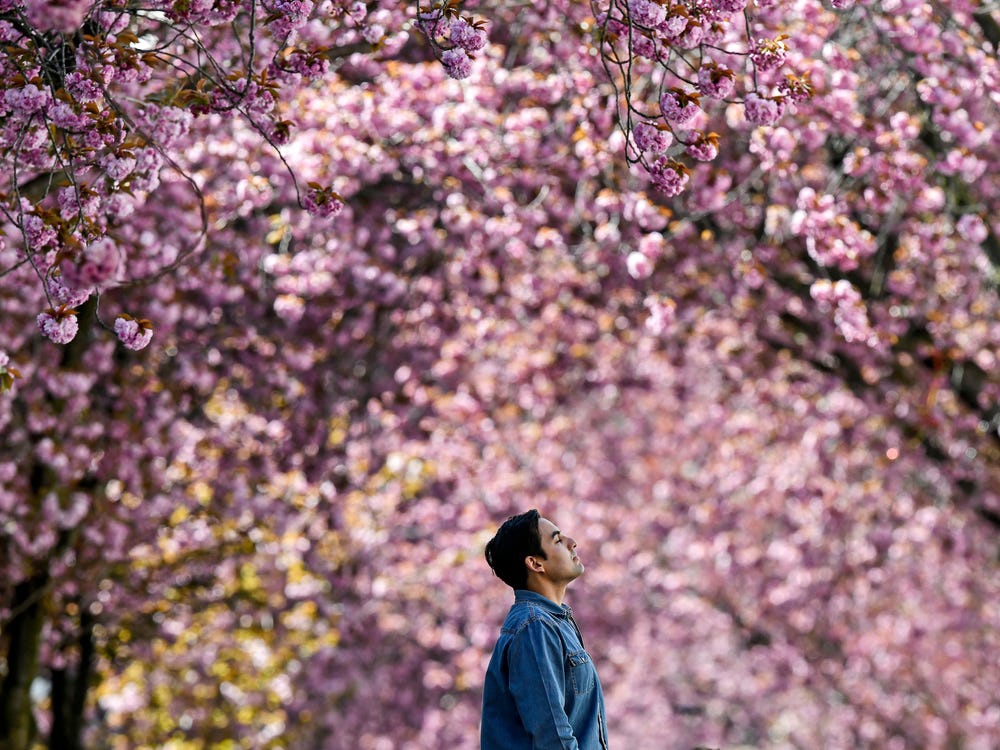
531 597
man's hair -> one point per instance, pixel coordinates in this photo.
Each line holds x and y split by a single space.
516 539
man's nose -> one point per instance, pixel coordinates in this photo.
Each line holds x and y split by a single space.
572 543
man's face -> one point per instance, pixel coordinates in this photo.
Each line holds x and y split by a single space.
561 562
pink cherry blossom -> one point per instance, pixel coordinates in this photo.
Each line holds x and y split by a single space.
64 295
768 54
62 16
27 100
58 327
679 106
647 12
457 63
662 314
83 89
38 232
465 35
118 167
288 15
849 313
729 6
668 176
715 81
97 264
373 33
761 110
639 265
652 138
132 333
973 228
704 148
322 202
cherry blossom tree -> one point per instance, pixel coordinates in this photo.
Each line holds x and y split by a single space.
393 301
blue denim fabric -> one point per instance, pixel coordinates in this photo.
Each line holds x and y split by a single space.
541 690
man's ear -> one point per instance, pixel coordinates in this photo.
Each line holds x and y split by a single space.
533 564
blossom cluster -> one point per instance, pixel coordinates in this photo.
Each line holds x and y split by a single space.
641 262
850 315
119 104
669 176
96 265
321 201
134 334
832 239
652 137
454 38
63 17
640 38
288 15
768 54
763 110
60 326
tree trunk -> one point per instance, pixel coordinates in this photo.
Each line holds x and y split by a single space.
23 638
69 693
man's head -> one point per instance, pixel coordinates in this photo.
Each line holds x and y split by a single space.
515 540
526 546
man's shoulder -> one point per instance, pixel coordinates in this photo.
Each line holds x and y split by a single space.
525 614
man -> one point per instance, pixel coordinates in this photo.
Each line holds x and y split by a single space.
541 690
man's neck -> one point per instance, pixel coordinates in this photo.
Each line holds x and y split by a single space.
555 592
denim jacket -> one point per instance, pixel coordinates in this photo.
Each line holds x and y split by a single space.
541 690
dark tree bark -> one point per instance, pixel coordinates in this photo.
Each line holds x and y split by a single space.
23 638
69 693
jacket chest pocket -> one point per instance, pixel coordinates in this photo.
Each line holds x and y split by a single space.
581 672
